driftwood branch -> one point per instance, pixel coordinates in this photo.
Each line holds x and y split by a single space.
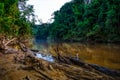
9 41
23 47
4 43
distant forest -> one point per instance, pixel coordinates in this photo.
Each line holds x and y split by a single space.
83 20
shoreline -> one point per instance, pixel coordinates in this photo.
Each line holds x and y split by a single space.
64 68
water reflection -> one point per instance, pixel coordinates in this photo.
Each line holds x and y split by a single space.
107 55
45 57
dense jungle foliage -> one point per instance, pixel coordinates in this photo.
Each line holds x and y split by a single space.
14 18
79 20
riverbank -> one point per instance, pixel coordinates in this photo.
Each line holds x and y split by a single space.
23 65
106 55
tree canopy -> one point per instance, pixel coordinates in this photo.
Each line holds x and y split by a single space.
98 20
14 18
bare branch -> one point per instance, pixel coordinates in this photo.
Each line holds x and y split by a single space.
10 41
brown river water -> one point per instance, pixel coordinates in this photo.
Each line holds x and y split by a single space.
107 55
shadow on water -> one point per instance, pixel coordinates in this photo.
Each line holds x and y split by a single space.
107 55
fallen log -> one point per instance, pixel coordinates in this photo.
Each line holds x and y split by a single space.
96 68
71 71
105 70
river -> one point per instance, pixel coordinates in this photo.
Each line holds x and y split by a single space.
107 55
